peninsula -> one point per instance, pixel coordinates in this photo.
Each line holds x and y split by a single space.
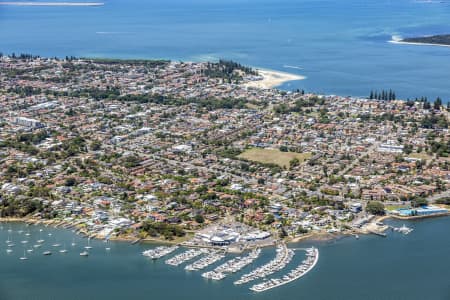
20 3
434 40
185 151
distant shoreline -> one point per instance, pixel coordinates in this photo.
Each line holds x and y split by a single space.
18 3
417 43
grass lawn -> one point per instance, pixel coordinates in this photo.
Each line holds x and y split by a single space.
395 207
272 156
421 155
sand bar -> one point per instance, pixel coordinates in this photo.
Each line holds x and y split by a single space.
272 79
52 3
417 44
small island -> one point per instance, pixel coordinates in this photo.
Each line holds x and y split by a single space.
433 40
21 3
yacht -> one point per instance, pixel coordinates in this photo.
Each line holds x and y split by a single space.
63 250
47 253
24 257
88 245
40 241
84 253
9 250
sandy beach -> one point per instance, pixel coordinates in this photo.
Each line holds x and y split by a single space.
417 44
20 3
272 79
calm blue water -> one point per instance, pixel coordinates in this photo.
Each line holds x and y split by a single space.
341 46
397 267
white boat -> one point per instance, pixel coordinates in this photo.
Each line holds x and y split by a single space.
73 242
24 257
47 253
84 253
107 248
63 250
40 241
9 250
88 245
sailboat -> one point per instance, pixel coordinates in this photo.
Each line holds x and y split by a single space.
24 257
84 253
8 241
9 250
40 241
88 245
56 244
63 250
73 242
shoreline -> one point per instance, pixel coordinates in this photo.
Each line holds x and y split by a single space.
313 236
272 79
416 44
19 3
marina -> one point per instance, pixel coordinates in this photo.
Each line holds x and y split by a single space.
185 256
404 229
206 261
159 252
281 260
232 266
312 257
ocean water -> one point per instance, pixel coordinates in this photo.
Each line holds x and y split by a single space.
415 266
341 46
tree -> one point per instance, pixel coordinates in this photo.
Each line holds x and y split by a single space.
294 162
375 208
437 104
96 145
269 219
283 149
419 201
70 181
199 219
